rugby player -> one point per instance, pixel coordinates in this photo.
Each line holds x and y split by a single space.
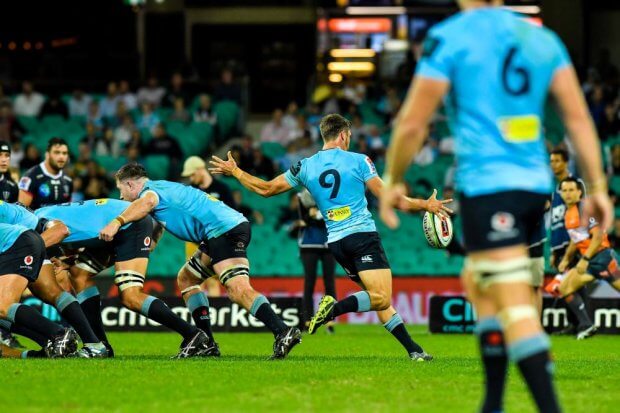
223 235
497 70
576 303
47 288
337 180
597 259
8 187
131 250
22 252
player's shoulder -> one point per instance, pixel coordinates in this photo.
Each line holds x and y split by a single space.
66 178
34 172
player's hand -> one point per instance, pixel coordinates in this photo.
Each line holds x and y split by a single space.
438 206
59 265
109 231
599 207
223 167
563 265
388 197
582 266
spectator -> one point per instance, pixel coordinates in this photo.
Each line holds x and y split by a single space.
290 118
119 115
276 131
152 93
596 103
246 153
77 195
149 119
610 122
179 113
263 166
375 142
79 103
92 135
54 106
302 128
254 216
289 216
29 102
195 169
135 141
17 154
11 129
163 144
354 91
94 183
427 154
358 130
177 90
133 154
227 88
94 116
107 105
122 133
106 146
32 157
204 112
127 96
84 155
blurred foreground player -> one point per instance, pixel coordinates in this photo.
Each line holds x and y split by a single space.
497 70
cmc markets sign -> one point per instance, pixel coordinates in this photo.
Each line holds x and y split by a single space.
456 315
225 315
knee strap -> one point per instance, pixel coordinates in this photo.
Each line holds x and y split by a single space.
487 272
128 279
516 313
235 271
198 269
190 288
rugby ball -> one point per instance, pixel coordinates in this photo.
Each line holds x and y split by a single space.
437 230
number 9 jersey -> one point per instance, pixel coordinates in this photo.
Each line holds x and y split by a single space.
499 67
336 179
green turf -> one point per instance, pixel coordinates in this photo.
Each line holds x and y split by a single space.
359 369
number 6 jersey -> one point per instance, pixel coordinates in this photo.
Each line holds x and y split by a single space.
336 179
499 68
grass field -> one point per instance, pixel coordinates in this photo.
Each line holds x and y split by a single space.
359 369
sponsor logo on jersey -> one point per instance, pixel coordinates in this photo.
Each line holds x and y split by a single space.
28 260
101 201
371 165
44 190
503 225
24 183
147 241
339 214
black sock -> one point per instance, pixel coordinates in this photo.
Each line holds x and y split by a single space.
578 307
24 315
70 309
32 335
396 326
198 304
495 362
157 310
358 302
90 301
261 309
532 357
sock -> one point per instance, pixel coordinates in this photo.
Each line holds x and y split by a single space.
396 326
578 307
90 301
495 362
532 356
27 316
70 309
356 303
157 310
261 309
28 333
198 305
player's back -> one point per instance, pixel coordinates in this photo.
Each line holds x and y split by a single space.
85 218
17 215
336 179
500 68
189 213
9 234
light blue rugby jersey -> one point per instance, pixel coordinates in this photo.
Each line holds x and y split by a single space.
500 68
85 218
9 234
189 213
17 215
336 179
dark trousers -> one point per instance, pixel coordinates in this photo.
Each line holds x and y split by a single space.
310 258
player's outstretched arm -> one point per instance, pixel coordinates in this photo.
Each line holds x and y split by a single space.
264 188
55 232
576 117
137 210
410 129
405 203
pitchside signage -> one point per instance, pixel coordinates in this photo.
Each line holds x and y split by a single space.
225 315
454 314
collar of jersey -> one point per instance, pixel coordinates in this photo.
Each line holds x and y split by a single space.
47 173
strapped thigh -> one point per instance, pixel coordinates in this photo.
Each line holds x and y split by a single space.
127 279
195 266
234 271
487 272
